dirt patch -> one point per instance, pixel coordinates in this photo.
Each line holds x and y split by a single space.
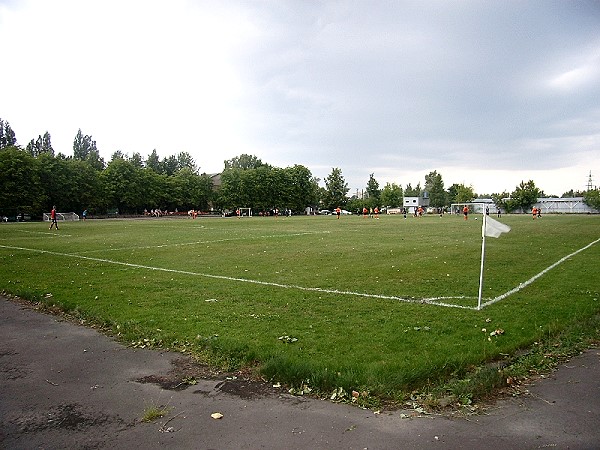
186 372
68 416
247 389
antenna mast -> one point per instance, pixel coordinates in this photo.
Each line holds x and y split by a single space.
590 185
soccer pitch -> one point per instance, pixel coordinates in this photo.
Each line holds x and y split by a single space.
381 305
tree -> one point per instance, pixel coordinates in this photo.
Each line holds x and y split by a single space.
34 148
82 146
169 165
244 162
71 184
155 188
592 198
153 162
336 190
266 187
7 135
118 155
435 186
501 200
459 193
231 193
571 193
46 144
409 191
523 197
373 189
185 161
41 146
122 187
136 160
84 149
187 190
20 187
391 195
304 188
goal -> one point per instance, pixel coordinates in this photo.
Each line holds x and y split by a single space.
63 217
244 212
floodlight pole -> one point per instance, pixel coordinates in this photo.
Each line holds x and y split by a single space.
482 260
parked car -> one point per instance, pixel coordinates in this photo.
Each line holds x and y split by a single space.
324 212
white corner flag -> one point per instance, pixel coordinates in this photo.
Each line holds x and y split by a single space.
492 228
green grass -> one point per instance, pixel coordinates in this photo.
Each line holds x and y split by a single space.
185 284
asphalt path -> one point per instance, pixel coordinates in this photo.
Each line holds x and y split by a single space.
67 386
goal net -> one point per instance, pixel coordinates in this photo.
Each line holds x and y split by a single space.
63 217
245 212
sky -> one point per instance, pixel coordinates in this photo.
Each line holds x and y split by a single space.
486 93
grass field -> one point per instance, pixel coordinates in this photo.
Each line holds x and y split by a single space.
316 302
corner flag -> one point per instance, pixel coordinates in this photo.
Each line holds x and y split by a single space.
493 228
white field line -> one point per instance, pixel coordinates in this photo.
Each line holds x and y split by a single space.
45 233
535 277
432 301
214 241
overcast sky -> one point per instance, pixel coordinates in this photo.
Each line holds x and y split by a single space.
488 93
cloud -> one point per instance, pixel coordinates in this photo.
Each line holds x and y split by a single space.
397 89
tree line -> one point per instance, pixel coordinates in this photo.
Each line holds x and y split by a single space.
34 178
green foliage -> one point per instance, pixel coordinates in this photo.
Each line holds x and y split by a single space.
373 190
122 187
153 162
84 149
20 184
336 189
40 146
409 191
392 195
7 135
244 162
500 200
154 412
592 198
459 193
435 186
316 334
523 197
71 184
264 188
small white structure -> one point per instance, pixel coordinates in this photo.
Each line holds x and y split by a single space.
412 203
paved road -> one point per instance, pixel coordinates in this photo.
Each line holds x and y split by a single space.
67 386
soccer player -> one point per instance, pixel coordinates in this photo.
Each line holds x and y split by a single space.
466 212
53 221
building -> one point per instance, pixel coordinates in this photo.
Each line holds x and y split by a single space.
412 203
571 205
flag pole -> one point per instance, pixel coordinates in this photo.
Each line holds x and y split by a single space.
482 260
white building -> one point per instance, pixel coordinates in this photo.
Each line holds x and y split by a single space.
412 203
573 205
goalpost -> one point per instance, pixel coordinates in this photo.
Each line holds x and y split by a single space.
63 217
245 212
